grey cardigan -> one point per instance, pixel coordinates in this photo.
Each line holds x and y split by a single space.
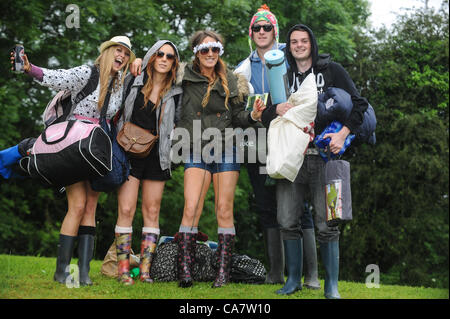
171 111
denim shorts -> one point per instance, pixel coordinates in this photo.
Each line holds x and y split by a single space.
228 162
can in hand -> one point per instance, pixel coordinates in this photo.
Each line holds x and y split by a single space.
19 52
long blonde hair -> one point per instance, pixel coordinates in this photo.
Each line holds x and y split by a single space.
104 62
220 69
168 81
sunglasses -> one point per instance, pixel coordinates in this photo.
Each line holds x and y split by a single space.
205 51
169 56
266 28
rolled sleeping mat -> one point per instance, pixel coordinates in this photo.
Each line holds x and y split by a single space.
276 69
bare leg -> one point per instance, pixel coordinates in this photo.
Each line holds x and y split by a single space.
152 192
127 199
196 184
81 199
224 188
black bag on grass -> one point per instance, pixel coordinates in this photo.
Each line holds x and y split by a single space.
243 268
164 265
247 270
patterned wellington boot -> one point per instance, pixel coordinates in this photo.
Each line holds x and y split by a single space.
185 260
223 255
123 248
148 248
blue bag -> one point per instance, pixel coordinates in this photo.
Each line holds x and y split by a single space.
120 164
322 143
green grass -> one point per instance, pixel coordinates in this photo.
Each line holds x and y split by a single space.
32 278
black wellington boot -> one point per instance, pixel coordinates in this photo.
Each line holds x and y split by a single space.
330 259
275 255
85 254
293 250
65 250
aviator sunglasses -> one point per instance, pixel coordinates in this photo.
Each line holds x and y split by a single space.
205 51
266 28
169 56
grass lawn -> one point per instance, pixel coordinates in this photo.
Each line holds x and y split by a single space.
26 277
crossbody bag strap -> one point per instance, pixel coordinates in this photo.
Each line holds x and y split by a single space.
105 106
161 116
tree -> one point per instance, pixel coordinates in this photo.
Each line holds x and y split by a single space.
401 202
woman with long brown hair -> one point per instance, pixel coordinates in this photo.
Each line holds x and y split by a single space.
151 96
79 222
211 99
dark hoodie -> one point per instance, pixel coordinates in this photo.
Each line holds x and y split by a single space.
328 74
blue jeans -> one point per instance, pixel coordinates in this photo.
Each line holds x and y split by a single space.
227 163
291 201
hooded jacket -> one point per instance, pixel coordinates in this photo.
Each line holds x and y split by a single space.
171 111
255 71
328 74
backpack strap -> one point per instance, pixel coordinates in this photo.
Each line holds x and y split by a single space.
104 110
90 86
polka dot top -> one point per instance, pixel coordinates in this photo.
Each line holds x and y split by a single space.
74 80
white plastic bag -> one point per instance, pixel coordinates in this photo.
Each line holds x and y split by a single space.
289 135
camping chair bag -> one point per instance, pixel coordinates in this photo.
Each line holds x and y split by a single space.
338 192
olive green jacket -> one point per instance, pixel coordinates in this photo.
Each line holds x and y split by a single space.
214 114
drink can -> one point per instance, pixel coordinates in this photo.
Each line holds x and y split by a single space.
19 51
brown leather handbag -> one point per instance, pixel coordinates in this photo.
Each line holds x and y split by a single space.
137 141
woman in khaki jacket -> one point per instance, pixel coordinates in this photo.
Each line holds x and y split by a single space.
211 104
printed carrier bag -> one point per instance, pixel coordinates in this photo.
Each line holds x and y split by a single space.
338 191
69 152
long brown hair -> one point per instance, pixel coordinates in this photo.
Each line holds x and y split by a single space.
220 69
104 61
168 81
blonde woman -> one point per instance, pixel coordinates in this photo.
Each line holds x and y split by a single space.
211 98
151 95
79 222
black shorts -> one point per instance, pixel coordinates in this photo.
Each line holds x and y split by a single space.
149 167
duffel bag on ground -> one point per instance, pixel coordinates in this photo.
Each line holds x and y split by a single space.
69 152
